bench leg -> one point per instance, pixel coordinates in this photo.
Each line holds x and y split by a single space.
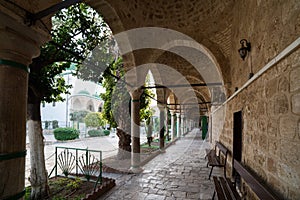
210 172
213 197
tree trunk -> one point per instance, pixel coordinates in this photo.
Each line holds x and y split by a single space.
124 151
38 173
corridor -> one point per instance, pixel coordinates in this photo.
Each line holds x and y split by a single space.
179 173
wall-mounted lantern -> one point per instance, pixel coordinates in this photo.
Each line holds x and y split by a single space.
245 48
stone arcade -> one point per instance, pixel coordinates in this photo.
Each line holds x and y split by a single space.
194 43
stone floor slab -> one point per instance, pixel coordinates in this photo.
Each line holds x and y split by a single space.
179 173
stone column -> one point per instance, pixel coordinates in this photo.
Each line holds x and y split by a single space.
172 125
135 131
182 125
187 124
166 122
18 45
161 127
178 125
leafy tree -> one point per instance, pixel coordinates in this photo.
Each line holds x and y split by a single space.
78 115
93 120
116 109
76 31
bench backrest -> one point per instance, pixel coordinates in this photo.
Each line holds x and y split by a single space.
223 149
253 181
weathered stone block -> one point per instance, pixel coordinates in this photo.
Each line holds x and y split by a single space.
288 127
270 108
261 108
296 103
262 125
288 174
271 165
295 79
283 85
259 159
281 105
263 142
248 139
274 146
290 153
271 88
272 127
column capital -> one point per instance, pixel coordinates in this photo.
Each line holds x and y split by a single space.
19 43
135 94
172 112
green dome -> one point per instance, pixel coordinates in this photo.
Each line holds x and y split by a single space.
83 92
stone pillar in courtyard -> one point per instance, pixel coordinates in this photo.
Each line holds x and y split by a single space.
161 127
178 125
19 44
135 131
172 112
166 123
187 126
182 124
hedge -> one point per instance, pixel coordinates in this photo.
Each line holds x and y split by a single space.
106 132
66 133
95 133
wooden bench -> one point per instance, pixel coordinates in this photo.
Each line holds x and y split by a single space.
226 189
215 160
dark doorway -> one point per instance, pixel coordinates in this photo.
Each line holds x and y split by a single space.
237 141
237 135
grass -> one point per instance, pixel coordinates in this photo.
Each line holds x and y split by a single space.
64 189
147 146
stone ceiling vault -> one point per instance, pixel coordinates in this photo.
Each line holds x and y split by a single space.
207 22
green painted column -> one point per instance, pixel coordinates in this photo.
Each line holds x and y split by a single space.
161 127
204 126
172 125
18 45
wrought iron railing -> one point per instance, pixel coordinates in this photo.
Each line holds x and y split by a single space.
85 162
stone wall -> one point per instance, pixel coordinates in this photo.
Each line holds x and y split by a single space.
270 26
271 104
271 126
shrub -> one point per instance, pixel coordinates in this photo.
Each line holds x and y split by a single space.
106 132
93 120
66 133
95 133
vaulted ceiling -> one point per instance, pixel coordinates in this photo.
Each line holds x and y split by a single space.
195 38
209 23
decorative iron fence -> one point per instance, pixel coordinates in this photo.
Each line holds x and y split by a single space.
85 162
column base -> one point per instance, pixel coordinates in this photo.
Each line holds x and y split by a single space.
162 150
135 170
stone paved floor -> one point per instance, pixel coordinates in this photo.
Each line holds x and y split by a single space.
179 173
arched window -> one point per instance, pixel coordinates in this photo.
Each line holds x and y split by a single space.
90 108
